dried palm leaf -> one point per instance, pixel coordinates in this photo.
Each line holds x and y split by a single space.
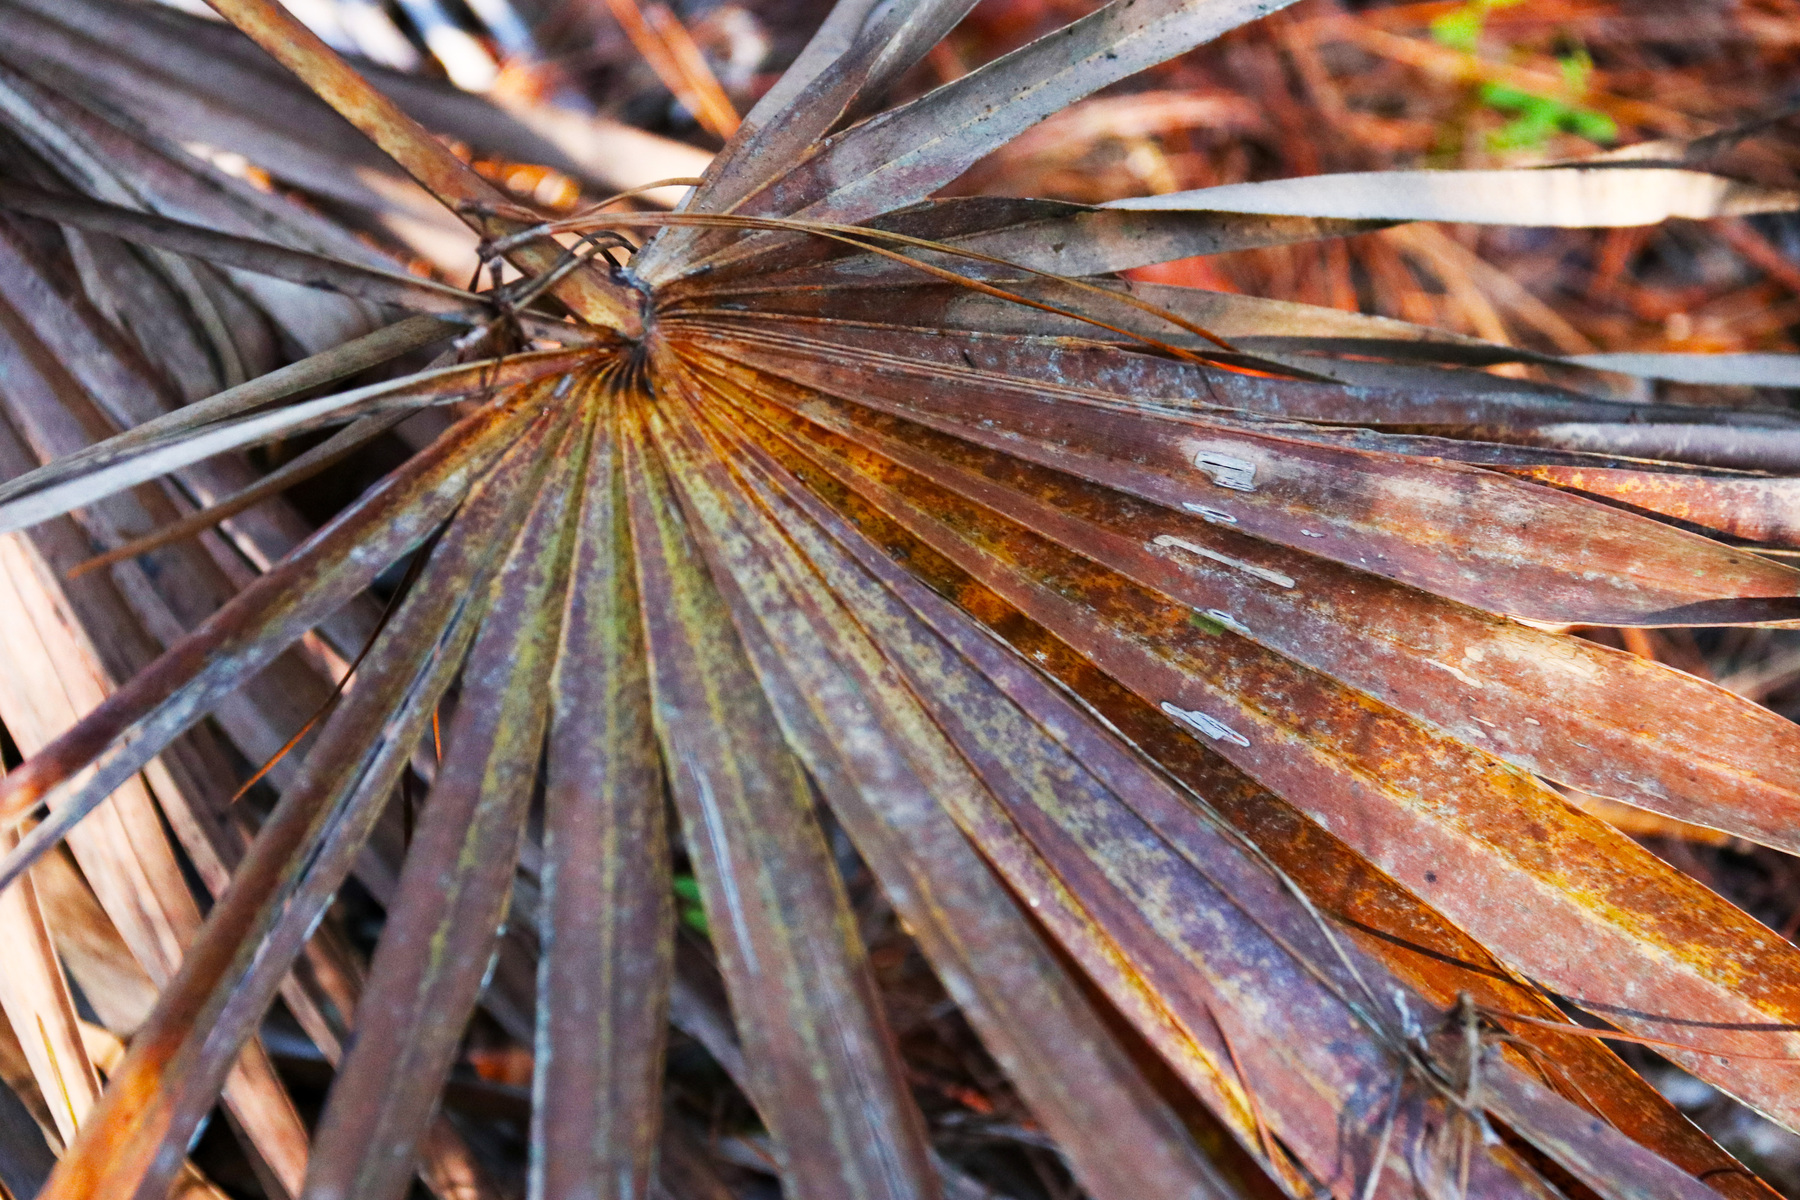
1168 657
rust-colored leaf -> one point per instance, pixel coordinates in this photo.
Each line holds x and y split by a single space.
1489 542
823 1069
880 761
278 892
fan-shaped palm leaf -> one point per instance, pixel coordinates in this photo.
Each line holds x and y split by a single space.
1174 654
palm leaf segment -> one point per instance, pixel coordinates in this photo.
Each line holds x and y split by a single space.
1130 632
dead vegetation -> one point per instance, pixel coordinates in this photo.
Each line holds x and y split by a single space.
871 686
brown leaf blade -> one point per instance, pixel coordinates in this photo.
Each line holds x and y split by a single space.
1180 879
428 160
143 715
1456 531
1600 720
882 766
1447 821
606 925
444 920
823 1069
171 1076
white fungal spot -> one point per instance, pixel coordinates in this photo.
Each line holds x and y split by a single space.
1462 675
1228 621
1310 533
1238 474
1211 514
1216 730
1274 577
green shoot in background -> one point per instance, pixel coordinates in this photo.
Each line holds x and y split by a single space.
1535 116
687 903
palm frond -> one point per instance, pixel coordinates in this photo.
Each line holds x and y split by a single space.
1189 671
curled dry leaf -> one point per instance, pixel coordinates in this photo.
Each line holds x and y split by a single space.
1175 662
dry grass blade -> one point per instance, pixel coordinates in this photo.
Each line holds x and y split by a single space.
1067 240
902 156
670 51
35 998
358 355
1740 370
858 236
134 722
447 177
326 454
861 49
905 155
137 879
296 266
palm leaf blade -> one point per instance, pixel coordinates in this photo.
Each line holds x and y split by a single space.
980 947
606 919
446 913
787 945
297 863
1173 670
